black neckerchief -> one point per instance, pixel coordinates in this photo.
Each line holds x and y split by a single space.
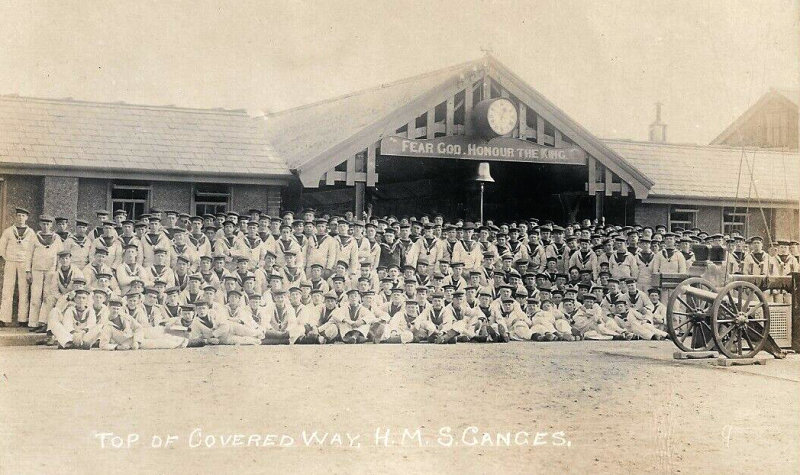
353 315
85 315
326 315
64 278
153 239
19 233
436 316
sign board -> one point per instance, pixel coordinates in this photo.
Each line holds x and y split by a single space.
501 149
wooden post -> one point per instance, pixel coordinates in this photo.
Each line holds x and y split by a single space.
412 128
598 206
468 97
449 122
430 124
523 128
371 165
591 185
487 88
539 129
360 164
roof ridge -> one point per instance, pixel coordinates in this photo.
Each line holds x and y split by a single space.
377 87
69 100
699 145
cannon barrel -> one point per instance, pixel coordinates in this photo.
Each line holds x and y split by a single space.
702 294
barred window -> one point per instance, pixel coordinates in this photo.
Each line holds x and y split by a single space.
682 218
734 219
132 196
211 198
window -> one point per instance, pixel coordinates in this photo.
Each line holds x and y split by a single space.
734 219
132 196
682 218
211 198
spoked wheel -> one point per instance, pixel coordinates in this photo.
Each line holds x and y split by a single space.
689 317
740 320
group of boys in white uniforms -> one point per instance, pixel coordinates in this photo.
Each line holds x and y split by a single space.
243 282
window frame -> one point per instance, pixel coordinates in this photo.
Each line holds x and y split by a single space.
684 224
130 185
195 202
745 225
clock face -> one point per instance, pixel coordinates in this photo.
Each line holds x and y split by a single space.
502 116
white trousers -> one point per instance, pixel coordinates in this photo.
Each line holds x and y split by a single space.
13 276
37 298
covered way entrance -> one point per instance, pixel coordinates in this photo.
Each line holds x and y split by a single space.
347 152
413 186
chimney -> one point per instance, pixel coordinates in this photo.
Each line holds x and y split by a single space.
658 130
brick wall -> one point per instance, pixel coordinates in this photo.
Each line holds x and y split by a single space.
786 224
23 191
709 219
651 214
61 196
92 195
170 195
266 198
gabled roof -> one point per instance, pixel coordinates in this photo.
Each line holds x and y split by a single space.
302 133
790 96
316 137
120 140
710 172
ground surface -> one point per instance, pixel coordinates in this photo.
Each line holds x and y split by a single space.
624 407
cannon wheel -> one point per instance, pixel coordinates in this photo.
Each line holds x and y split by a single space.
740 320
689 318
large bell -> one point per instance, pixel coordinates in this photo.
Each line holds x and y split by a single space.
483 173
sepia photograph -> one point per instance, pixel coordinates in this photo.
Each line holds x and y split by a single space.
364 236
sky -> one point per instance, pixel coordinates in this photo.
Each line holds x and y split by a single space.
604 63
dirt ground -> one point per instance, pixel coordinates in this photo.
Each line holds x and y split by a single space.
623 407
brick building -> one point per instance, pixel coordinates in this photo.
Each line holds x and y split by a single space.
66 157
70 158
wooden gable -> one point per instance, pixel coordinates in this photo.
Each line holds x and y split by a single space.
445 110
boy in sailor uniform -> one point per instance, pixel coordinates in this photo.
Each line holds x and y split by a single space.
108 240
129 270
59 283
120 331
756 262
283 327
76 326
658 311
637 299
44 252
353 320
79 245
669 260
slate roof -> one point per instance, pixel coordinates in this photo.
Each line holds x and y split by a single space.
89 136
712 172
304 132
